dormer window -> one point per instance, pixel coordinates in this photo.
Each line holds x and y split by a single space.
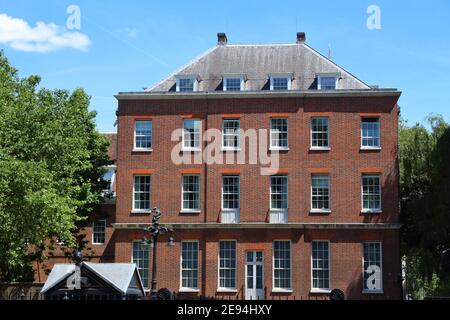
187 84
327 81
233 83
280 82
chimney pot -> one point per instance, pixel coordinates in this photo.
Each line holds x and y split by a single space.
222 38
301 37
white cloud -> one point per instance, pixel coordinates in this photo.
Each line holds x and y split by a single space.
129 32
43 37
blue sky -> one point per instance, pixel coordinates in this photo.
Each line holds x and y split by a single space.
130 45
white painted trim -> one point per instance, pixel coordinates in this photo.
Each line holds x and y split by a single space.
187 77
219 288
379 134
133 209
257 94
321 290
329 193
136 149
331 75
192 149
380 208
146 286
274 289
195 210
311 147
186 289
270 192
379 291
240 77
288 76
272 147
253 264
238 148
92 239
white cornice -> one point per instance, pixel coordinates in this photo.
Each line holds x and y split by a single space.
256 94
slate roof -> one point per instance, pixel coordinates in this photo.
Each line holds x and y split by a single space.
256 63
118 275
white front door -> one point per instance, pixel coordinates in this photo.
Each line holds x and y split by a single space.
254 276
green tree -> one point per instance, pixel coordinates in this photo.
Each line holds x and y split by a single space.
424 183
51 163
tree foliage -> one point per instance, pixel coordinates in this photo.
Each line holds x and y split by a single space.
51 163
425 190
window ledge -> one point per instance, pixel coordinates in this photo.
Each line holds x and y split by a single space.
320 211
190 211
191 150
279 149
371 211
231 149
142 150
141 211
324 291
320 148
97 244
282 290
370 148
224 290
373 292
188 290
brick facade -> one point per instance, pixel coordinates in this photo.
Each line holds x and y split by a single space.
345 163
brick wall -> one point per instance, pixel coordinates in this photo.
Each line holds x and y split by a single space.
345 162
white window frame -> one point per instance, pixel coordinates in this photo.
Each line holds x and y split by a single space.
104 232
314 210
378 137
193 78
275 289
135 147
199 133
242 83
234 148
146 284
285 176
189 289
225 289
366 210
134 210
367 291
188 210
280 76
272 146
239 191
321 290
322 148
336 77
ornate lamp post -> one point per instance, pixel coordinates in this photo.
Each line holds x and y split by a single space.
155 230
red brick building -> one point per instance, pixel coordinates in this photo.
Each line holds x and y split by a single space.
326 217
98 232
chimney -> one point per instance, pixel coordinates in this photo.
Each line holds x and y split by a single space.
301 37
222 39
